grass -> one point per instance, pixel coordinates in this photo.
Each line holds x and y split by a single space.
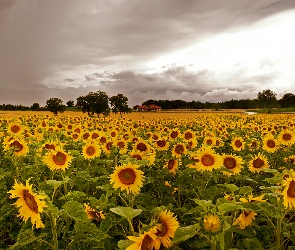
274 110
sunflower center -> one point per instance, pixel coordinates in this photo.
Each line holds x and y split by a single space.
90 150
286 137
113 134
162 230
271 143
103 139
238 143
15 128
246 214
49 146
161 143
229 163
254 144
94 135
188 135
258 163
59 158
86 135
109 145
44 124
174 134
121 144
209 142
30 201
170 164
291 189
207 160
137 157
127 176
75 136
179 149
17 145
141 147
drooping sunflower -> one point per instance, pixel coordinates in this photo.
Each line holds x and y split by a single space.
245 219
238 143
19 147
172 165
57 159
143 242
233 163
165 229
289 191
179 149
287 137
93 214
212 223
91 151
30 204
15 128
258 163
270 144
127 177
207 159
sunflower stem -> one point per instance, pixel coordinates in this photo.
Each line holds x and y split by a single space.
278 233
54 232
17 173
213 244
179 198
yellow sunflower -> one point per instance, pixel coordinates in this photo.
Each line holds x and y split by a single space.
142 146
270 144
172 165
233 163
258 163
19 147
238 144
209 141
127 177
211 223
290 159
174 134
122 145
30 204
179 149
287 137
93 214
207 160
161 144
107 147
253 199
165 229
289 191
245 219
90 151
57 159
14 128
143 242
189 135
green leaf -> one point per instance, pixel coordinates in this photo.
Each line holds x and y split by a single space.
231 187
184 233
126 212
269 209
253 243
245 190
123 244
55 184
52 209
227 207
269 170
203 203
25 237
76 211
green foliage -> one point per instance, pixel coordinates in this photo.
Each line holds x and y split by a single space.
119 104
55 105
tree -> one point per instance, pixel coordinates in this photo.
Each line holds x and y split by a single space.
119 103
267 99
55 105
70 103
94 103
35 106
287 100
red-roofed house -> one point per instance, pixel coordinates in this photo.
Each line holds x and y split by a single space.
150 107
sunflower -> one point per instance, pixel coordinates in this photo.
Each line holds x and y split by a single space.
93 214
161 144
57 159
289 191
207 159
245 219
143 242
179 149
31 204
174 134
238 144
209 141
254 144
165 229
75 136
189 135
270 144
90 151
253 199
290 159
142 146
127 177
14 128
287 137
190 144
172 165
233 163
258 163
122 145
212 223
107 147
19 147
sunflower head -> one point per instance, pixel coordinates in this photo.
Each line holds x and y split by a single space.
212 223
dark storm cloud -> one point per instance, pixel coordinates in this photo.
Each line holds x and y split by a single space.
40 40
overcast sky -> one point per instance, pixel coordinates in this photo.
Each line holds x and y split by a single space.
202 50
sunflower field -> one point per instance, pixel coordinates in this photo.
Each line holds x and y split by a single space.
215 181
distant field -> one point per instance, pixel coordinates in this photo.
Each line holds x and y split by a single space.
133 115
